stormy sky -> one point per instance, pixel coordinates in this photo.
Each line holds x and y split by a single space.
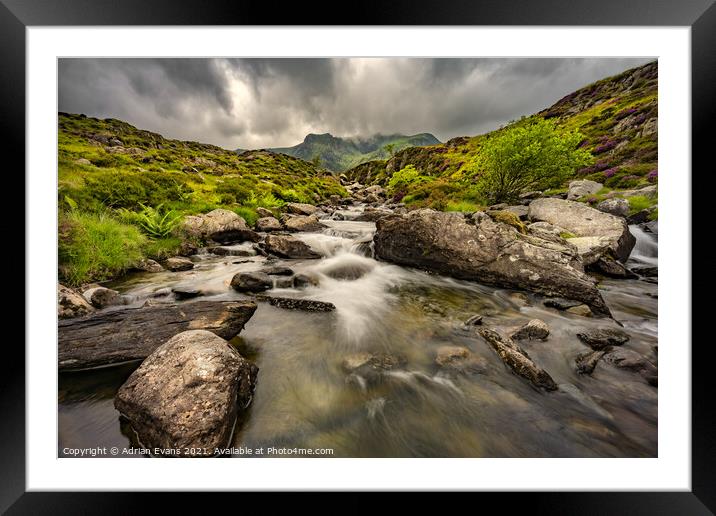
257 103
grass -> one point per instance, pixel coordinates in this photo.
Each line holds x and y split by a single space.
638 203
567 234
464 206
161 248
96 247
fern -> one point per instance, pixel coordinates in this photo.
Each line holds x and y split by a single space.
155 223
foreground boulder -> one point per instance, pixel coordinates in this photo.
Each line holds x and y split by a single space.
597 233
221 226
518 360
187 394
110 337
287 247
71 303
480 249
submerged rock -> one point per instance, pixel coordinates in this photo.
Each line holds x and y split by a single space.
602 338
581 310
459 359
597 232
178 263
633 361
286 246
586 362
219 225
71 303
228 251
474 320
560 303
482 250
518 360
187 394
101 297
532 330
290 303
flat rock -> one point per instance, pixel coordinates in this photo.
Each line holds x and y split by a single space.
278 270
604 231
290 303
616 207
297 223
187 394
267 224
298 208
581 188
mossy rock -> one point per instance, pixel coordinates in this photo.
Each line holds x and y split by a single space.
509 218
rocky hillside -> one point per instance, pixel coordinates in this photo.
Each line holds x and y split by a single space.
339 154
110 163
617 116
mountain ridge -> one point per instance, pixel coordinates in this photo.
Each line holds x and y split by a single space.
338 153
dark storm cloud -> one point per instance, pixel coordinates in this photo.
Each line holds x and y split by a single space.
253 103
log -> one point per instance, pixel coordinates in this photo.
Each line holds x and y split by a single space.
518 360
111 337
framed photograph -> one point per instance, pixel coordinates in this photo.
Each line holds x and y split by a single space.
417 253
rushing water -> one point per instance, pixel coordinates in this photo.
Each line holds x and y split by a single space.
305 399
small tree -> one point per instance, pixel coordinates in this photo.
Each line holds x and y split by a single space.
534 155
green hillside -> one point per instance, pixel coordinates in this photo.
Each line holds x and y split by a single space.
340 154
616 116
113 176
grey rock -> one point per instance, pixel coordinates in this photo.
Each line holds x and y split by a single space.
186 292
598 232
602 338
532 330
278 270
101 297
290 303
300 208
302 223
177 264
219 225
581 188
263 212
633 361
71 303
251 282
586 362
616 207
286 246
148 265
187 394
267 224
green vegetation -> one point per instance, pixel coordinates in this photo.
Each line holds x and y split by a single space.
122 191
534 155
509 218
96 246
567 234
340 154
640 202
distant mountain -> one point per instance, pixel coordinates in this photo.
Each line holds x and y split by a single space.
339 154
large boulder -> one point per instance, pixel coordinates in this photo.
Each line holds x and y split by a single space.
221 226
286 246
480 249
186 395
71 303
302 223
298 208
581 188
596 232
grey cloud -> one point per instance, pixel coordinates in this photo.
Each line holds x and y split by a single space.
252 103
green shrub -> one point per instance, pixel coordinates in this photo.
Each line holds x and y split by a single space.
404 179
248 214
534 155
465 206
96 247
640 202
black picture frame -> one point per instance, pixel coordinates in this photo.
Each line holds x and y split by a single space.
700 15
